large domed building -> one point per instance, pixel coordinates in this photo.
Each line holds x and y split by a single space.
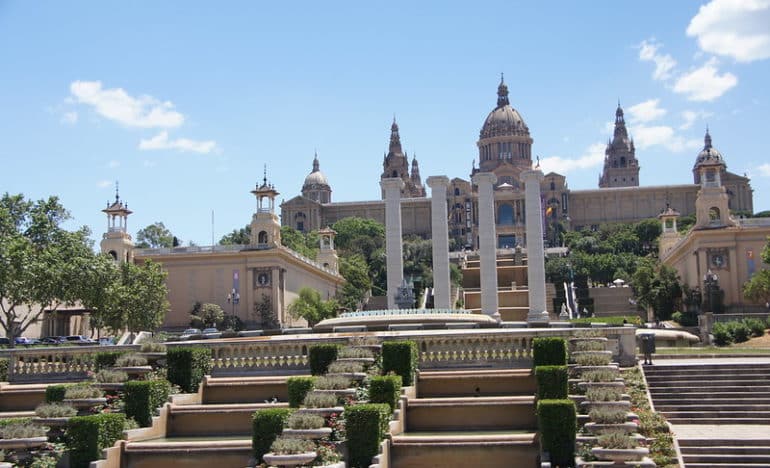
505 149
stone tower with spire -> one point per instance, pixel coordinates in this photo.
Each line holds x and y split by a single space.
117 241
265 226
621 169
395 164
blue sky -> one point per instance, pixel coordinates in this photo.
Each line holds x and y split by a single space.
185 102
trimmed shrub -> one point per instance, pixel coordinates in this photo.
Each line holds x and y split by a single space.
557 420
320 356
131 360
55 393
305 421
88 435
365 426
320 400
3 370
107 359
549 351
267 424
298 387
187 366
616 321
385 389
740 331
722 335
551 382
143 397
400 357
757 327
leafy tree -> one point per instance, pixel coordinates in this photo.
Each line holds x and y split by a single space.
240 236
357 282
41 264
155 236
137 299
758 287
263 310
210 315
304 244
657 287
365 237
311 307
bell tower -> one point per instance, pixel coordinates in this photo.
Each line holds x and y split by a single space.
712 203
669 233
327 256
265 226
117 241
621 168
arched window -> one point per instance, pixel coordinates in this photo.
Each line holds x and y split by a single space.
714 216
505 215
553 185
622 161
262 237
457 192
395 174
113 254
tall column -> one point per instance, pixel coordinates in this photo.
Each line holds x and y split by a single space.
535 252
440 236
393 243
487 244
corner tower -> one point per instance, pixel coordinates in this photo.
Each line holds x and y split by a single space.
621 169
712 203
117 241
265 227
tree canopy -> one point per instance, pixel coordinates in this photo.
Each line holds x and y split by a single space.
154 236
310 306
758 287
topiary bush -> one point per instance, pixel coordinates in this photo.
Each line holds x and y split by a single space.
55 393
298 387
267 424
87 436
365 426
722 335
320 356
757 327
143 397
557 420
551 382
740 331
385 389
400 357
549 351
3 370
187 366
106 359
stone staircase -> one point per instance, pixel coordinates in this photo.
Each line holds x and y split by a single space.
487 416
721 398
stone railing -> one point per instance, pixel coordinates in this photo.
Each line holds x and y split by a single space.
438 349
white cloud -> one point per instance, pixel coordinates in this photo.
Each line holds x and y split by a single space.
764 170
646 111
113 164
70 118
117 105
104 183
691 116
161 141
736 29
664 63
662 135
593 156
705 83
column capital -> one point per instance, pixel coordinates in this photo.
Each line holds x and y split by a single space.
484 178
392 182
532 175
435 182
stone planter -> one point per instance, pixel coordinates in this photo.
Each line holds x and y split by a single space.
110 386
375 348
311 434
135 371
601 429
23 444
84 404
618 383
342 392
296 459
153 357
363 360
357 376
620 455
620 404
325 412
51 422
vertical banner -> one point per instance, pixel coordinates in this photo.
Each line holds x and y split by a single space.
750 262
236 286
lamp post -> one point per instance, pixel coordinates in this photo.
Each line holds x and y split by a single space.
711 285
233 298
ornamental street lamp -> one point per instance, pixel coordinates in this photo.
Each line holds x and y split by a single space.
233 298
711 286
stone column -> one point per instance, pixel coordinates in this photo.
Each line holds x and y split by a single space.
393 242
538 313
440 236
487 243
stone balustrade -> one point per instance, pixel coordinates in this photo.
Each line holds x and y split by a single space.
438 349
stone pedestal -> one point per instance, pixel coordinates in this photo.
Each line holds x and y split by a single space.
438 187
393 242
487 243
538 313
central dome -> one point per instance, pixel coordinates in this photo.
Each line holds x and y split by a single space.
709 154
504 120
315 179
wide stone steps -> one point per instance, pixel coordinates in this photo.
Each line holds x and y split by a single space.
498 382
255 389
724 453
471 413
214 419
187 453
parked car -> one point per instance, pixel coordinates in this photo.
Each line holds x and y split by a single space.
4 341
51 340
106 341
211 333
22 340
190 333
79 340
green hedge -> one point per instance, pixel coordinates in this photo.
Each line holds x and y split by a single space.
549 351
366 426
267 424
551 382
320 356
614 321
385 389
143 397
3 370
106 359
187 366
400 357
55 393
87 436
298 388
557 420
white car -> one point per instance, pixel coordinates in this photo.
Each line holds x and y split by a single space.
211 333
189 333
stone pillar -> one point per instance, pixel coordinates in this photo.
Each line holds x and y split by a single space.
393 242
487 244
440 236
538 312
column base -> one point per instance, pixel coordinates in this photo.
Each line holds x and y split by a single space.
538 318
